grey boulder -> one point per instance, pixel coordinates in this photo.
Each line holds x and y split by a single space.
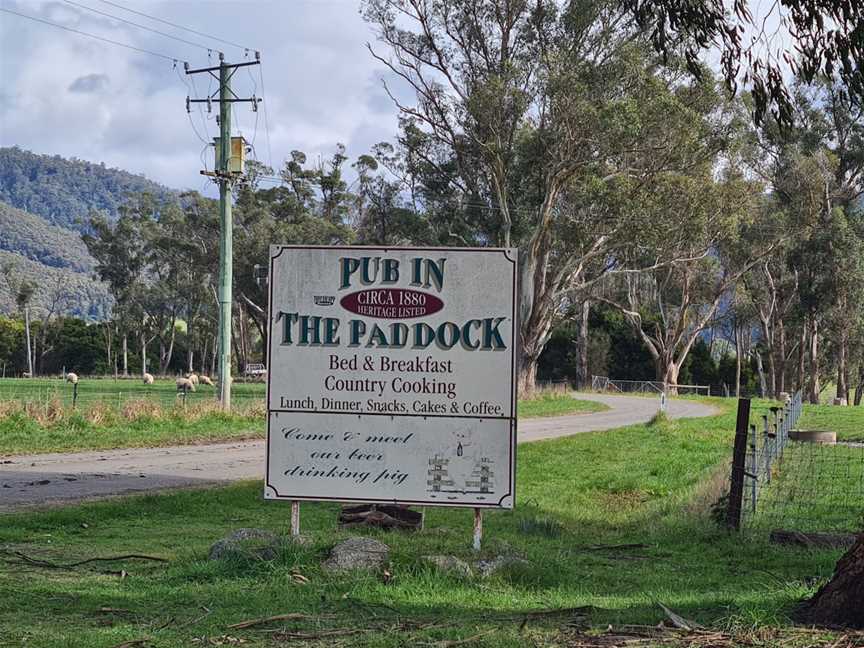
247 543
357 553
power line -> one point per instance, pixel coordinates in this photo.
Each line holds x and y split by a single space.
134 24
176 26
266 122
174 59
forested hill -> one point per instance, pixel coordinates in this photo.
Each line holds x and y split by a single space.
34 238
64 192
45 203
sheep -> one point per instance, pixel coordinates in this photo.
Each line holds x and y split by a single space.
192 377
148 379
205 380
72 378
184 384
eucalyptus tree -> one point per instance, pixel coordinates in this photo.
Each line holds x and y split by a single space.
671 305
553 118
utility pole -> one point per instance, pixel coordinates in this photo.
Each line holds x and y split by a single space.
226 176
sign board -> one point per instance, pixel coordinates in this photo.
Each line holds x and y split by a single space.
391 375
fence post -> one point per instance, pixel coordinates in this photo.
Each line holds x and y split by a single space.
74 395
754 463
766 447
739 456
185 390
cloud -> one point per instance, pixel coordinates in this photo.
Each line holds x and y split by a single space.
90 83
72 95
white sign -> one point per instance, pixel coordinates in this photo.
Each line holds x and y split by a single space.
391 375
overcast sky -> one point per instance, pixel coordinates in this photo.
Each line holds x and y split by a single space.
67 94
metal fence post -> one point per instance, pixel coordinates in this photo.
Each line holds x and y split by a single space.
754 465
74 395
739 457
766 447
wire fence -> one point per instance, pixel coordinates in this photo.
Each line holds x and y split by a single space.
26 393
792 479
606 384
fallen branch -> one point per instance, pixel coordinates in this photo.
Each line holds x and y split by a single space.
819 540
132 643
292 616
35 562
308 636
449 643
678 621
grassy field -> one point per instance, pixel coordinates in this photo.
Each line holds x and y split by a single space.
613 523
144 420
847 422
115 392
551 404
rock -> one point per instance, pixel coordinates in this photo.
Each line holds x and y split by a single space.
357 553
491 567
450 564
247 543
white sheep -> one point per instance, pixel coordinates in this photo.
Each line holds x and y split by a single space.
205 380
192 377
184 384
148 379
72 378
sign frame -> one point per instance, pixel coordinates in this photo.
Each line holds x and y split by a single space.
511 255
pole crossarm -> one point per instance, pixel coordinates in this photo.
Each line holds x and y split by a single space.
216 68
226 72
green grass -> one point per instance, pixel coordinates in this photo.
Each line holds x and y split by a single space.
650 485
556 405
847 422
101 425
114 392
75 432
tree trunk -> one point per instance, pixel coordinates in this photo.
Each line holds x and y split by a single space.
840 602
667 373
527 380
125 356
859 392
168 353
739 349
814 390
204 356
781 359
842 367
213 358
108 343
27 335
802 350
143 354
583 377
761 371
768 336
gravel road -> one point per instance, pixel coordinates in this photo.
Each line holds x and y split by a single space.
52 479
